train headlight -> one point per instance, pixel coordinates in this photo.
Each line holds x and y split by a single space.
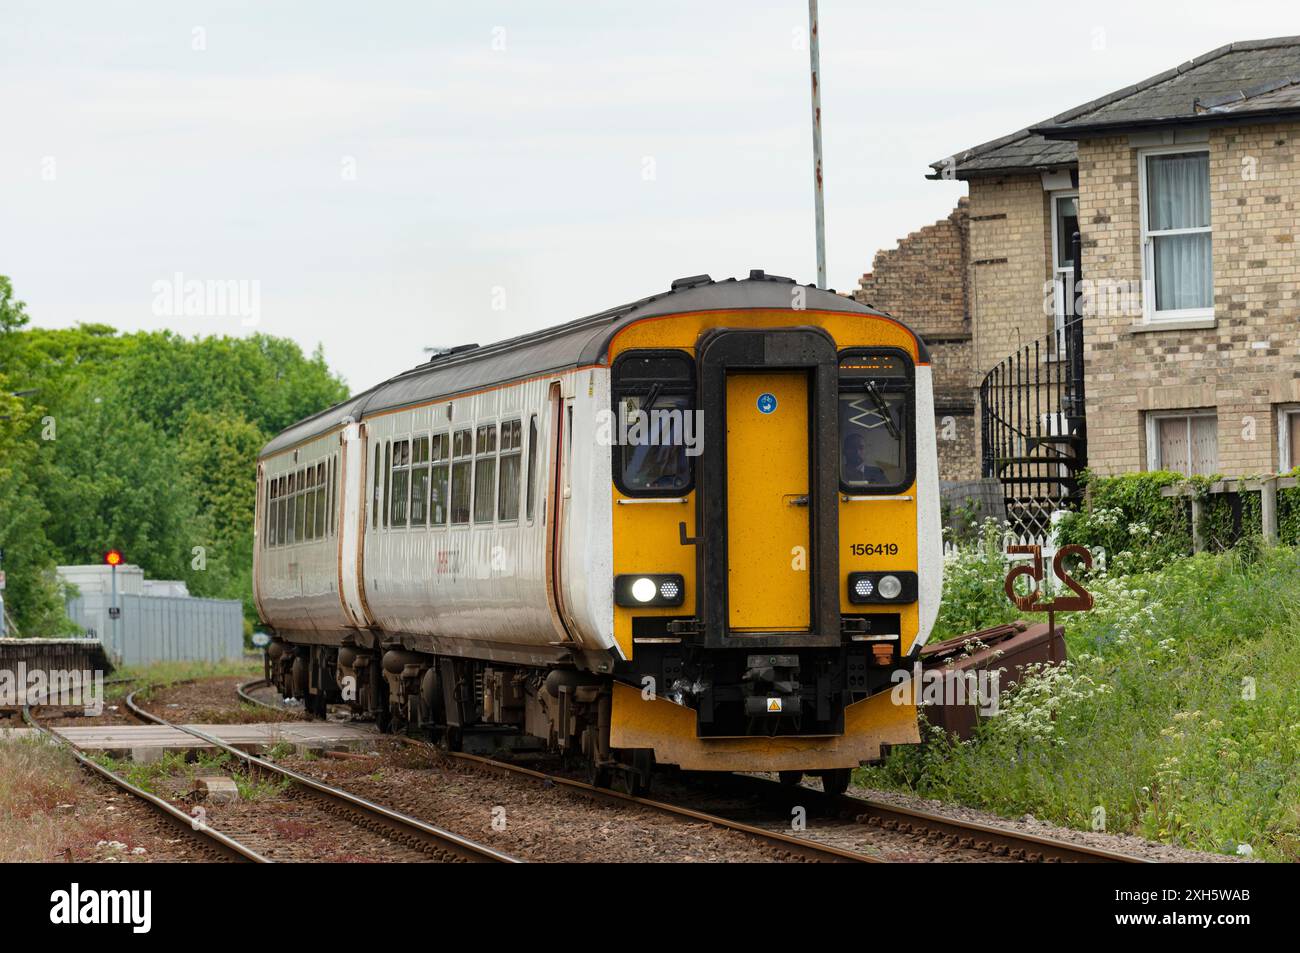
634 590
882 587
890 587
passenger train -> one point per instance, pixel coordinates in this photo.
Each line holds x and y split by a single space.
701 529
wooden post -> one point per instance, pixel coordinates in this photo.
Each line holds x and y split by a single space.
1198 541
1268 508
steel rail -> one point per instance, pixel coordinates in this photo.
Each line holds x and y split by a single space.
397 823
223 844
948 831
242 691
801 847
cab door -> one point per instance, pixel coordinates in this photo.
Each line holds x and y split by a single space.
768 529
767 500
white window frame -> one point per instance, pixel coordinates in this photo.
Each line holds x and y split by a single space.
1062 278
1286 454
1149 313
1153 437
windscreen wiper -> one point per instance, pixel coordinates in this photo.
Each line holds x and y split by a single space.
873 391
651 397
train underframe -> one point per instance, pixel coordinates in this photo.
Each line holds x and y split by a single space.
464 704
485 707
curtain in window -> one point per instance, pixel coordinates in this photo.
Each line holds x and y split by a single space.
1178 196
1205 445
1293 434
1172 434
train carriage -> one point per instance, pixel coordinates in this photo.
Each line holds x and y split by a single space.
701 529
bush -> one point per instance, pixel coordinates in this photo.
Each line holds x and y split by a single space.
1127 517
972 586
1177 717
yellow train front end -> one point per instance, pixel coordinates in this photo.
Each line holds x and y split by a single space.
776 545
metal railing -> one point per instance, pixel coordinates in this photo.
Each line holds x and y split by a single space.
1033 427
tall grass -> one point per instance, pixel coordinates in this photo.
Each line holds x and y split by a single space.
1177 717
38 784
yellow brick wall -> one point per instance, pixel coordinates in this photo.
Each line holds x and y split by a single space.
1010 262
1245 365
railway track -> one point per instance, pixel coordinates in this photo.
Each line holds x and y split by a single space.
776 842
840 817
845 812
211 841
414 835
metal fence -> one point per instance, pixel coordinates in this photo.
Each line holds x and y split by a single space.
162 629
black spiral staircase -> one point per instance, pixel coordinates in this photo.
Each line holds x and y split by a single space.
1032 423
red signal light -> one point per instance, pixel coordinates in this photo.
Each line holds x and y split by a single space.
113 557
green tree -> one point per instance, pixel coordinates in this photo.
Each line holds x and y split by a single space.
218 458
33 597
146 442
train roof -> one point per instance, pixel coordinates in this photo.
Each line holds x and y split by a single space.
575 344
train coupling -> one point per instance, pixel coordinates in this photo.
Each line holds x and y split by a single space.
771 685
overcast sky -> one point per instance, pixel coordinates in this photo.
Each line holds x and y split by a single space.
386 176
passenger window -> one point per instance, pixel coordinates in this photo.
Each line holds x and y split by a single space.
419 481
485 473
281 513
293 508
400 485
654 395
289 485
876 431
322 500
309 504
511 457
462 463
532 467
269 502
440 455
300 504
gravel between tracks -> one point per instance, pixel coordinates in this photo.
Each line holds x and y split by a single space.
528 818
209 701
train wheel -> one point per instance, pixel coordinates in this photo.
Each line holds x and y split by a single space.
598 775
836 781
634 778
790 778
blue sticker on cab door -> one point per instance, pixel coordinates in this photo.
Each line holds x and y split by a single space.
766 403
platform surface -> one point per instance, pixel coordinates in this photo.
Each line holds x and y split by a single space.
139 741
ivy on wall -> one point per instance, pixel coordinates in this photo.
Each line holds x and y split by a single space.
1141 529
1127 516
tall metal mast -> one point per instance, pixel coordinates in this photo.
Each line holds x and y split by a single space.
814 56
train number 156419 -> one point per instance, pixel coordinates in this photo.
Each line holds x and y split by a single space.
874 549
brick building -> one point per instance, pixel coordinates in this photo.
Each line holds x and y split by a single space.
922 282
1185 188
